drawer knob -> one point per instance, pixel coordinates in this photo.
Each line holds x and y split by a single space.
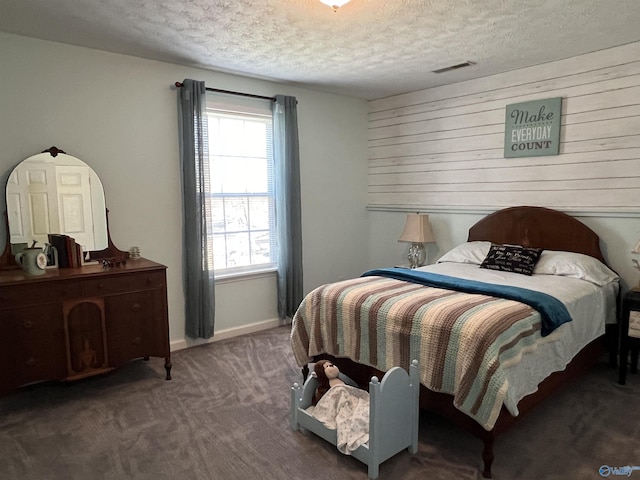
135 307
137 341
27 324
31 362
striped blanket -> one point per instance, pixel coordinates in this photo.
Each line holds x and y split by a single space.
462 340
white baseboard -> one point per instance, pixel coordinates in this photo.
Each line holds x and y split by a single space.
227 333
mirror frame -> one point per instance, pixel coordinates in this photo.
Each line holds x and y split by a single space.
110 253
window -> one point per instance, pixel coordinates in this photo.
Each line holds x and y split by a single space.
241 199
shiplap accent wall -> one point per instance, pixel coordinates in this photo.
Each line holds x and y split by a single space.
442 148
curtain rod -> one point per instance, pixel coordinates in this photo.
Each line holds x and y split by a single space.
273 99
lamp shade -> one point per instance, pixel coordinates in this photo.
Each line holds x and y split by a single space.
417 229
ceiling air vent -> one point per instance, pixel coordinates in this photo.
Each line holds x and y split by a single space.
454 67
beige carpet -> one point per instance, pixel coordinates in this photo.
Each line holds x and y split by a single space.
225 416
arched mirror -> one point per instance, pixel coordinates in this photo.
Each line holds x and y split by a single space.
59 193
53 192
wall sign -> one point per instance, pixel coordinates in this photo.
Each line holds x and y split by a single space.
532 129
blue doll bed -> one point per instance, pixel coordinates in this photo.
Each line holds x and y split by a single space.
393 416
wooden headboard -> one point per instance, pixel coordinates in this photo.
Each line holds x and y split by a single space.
537 227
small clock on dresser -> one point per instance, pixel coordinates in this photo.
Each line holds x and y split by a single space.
629 333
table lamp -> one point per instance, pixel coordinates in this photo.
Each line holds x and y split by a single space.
417 232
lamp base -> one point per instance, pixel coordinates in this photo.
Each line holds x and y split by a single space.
417 255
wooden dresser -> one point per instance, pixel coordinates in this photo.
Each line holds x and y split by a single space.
72 323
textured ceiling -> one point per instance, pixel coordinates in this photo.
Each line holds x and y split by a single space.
368 49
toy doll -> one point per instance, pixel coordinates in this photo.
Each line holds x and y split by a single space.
328 376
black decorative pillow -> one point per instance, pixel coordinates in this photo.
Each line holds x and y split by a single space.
511 258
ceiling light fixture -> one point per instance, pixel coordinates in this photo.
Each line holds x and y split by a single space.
335 4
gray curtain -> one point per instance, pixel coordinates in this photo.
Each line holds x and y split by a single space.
288 208
198 279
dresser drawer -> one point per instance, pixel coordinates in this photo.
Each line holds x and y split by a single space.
110 285
32 345
37 293
137 326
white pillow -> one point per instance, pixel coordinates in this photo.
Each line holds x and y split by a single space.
469 252
575 265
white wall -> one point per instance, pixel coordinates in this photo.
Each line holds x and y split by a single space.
119 114
444 147
440 151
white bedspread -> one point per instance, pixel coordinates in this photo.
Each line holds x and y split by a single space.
346 409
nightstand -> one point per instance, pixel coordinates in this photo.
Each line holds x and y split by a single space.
629 333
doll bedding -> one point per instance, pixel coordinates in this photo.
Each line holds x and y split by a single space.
345 409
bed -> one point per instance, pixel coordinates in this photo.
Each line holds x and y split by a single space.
526 350
392 419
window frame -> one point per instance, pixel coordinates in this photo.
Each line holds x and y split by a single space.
219 106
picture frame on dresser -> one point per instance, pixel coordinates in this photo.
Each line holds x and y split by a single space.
86 319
